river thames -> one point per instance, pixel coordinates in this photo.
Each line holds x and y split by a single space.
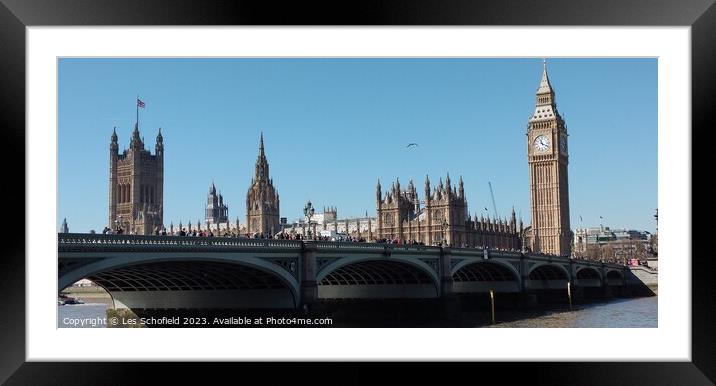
630 313
616 313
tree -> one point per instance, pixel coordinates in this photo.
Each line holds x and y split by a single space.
654 244
592 252
607 253
639 250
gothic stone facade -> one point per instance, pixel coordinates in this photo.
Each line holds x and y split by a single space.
262 201
136 180
216 211
549 189
443 219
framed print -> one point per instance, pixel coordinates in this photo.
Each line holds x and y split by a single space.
383 184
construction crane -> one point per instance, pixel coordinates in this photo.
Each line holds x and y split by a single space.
492 195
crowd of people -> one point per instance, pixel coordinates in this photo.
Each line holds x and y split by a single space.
183 232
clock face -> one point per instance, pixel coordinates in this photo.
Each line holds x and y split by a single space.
541 143
563 143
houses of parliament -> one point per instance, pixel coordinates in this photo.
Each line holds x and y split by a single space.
444 217
136 180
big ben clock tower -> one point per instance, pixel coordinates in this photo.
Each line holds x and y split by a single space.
549 189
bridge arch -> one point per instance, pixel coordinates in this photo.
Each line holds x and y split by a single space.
547 276
614 277
128 279
479 275
548 271
587 277
588 273
370 277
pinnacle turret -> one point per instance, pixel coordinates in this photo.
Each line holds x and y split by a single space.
136 141
113 145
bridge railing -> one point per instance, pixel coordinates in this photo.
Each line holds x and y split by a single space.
415 248
88 239
348 245
374 247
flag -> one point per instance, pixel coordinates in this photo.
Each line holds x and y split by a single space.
140 103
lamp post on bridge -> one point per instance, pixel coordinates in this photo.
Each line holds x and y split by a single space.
308 211
117 224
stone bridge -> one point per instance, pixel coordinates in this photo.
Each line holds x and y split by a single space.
168 272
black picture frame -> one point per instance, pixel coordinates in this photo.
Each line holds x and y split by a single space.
700 15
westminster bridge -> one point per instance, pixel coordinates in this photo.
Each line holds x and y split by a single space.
173 272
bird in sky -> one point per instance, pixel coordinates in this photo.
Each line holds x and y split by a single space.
412 144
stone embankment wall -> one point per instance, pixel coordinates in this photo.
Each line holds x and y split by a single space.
643 280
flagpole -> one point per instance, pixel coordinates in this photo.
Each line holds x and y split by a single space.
137 102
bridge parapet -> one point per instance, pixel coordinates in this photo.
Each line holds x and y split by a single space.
469 252
412 249
330 245
351 247
72 241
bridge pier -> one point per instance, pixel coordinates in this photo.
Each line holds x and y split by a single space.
446 280
528 299
607 291
450 303
308 285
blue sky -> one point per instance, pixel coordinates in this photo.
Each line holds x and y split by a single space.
333 127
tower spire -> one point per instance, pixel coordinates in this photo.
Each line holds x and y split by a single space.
262 169
545 87
261 145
